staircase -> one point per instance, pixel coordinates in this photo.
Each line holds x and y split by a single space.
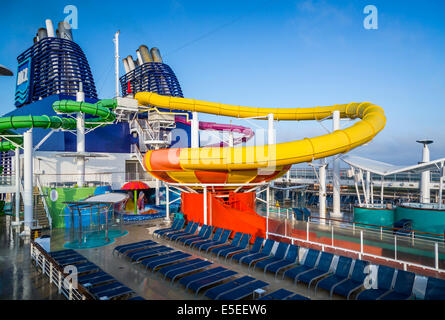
39 214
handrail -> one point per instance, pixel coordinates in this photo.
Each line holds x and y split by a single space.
383 227
45 206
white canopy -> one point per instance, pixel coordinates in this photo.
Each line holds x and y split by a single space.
108 197
384 169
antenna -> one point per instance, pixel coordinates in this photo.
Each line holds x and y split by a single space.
116 61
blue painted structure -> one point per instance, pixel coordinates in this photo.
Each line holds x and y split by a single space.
53 66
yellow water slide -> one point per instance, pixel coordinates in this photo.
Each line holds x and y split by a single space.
257 163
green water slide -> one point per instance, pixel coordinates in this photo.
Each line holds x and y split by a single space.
101 110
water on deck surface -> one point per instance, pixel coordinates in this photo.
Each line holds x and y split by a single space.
20 279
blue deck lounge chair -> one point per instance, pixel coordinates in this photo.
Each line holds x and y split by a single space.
278 256
86 267
353 283
140 246
187 229
308 264
149 253
385 276
235 242
183 271
173 254
186 281
61 253
110 291
341 274
207 234
124 247
74 260
174 236
97 281
208 281
291 259
177 224
243 291
165 270
62 259
242 247
212 244
435 289
297 297
85 279
216 237
201 233
265 253
256 247
221 289
403 288
320 271
162 261
280 294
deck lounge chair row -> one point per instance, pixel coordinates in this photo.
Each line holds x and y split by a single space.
97 282
194 274
348 277
345 279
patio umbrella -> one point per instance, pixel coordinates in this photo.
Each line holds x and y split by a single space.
135 185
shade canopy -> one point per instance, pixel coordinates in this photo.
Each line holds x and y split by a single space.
135 185
385 169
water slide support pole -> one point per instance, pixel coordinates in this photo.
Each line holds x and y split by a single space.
356 186
157 187
17 186
270 141
425 177
270 129
368 185
205 204
194 128
116 61
80 134
267 210
381 190
441 185
28 181
167 203
322 190
336 170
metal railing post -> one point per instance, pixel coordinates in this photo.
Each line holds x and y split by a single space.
395 247
436 255
307 230
361 241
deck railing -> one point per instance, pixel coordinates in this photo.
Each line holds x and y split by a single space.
66 285
408 249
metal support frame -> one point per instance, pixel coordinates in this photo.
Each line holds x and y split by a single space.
336 171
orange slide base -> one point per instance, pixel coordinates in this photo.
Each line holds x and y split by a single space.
235 212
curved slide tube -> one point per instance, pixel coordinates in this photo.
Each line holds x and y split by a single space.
257 163
246 132
101 110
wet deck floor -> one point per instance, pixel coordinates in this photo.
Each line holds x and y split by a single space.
19 279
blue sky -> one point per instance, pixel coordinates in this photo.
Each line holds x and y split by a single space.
270 53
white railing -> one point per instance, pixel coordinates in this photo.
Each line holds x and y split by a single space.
417 205
43 199
55 275
408 249
70 179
